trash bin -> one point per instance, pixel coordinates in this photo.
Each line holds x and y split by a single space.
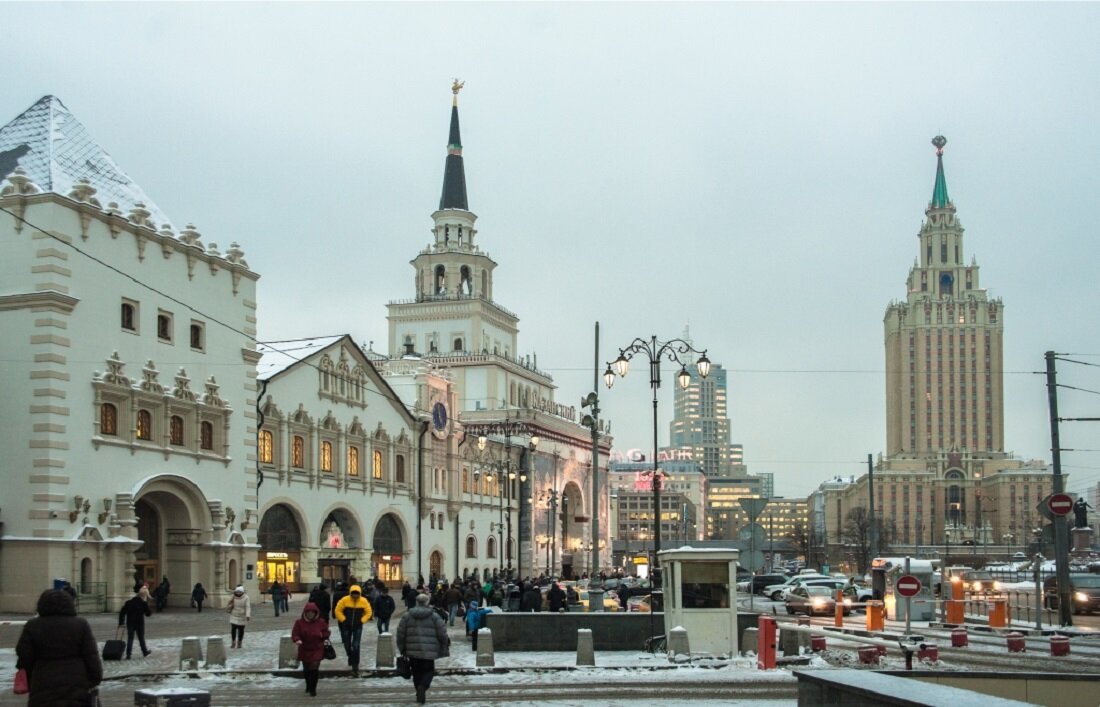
657 601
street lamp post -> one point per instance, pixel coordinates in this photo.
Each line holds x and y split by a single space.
507 474
656 351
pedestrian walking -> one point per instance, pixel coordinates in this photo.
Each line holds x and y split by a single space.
310 634
319 596
276 591
132 616
452 598
556 597
422 636
408 595
383 609
161 593
198 596
352 612
239 609
339 592
59 653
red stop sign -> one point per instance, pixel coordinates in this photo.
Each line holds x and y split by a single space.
1060 504
907 586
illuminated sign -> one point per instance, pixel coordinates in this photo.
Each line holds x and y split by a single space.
277 555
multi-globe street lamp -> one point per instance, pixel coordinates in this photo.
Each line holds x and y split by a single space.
508 472
655 352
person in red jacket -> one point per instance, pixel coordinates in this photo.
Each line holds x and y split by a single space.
310 634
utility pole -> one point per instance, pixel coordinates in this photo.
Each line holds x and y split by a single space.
595 586
873 532
1061 530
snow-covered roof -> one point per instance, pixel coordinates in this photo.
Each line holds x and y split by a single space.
277 356
56 151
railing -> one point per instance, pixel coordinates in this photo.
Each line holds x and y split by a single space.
91 597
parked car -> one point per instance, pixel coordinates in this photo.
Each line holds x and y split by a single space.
758 583
776 591
857 594
812 600
1084 591
979 581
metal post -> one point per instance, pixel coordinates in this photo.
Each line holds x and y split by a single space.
873 534
1061 530
908 600
1038 591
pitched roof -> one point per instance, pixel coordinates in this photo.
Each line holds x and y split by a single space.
277 356
56 151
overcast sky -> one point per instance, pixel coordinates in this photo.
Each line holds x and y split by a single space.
759 171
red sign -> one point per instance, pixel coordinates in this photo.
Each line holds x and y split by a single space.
1060 504
907 586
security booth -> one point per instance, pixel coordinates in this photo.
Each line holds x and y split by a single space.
885 572
700 587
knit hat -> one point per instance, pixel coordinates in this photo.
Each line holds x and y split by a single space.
422 599
239 589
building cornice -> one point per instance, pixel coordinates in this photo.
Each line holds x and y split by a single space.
50 299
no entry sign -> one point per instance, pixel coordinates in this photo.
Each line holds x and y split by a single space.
1060 504
908 586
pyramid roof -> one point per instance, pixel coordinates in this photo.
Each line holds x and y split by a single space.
56 151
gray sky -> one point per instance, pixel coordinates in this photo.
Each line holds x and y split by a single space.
759 171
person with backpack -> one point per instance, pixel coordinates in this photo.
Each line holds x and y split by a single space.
422 636
132 616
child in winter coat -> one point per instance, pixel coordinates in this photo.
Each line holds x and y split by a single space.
474 621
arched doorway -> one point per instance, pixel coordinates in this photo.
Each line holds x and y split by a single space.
435 564
280 555
173 522
389 549
572 524
147 557
341 538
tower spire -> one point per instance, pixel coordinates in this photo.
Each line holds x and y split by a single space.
454 174
939 192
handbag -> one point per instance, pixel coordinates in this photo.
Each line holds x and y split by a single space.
330 651
21 686
404 667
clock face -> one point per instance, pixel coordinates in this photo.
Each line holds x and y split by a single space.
439 416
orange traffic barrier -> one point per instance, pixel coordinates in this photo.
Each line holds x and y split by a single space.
838 619
765 639
875 616
998 613
956 614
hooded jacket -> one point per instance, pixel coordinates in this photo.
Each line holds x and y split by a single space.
59 653
474 617
422 633
353 609
310 635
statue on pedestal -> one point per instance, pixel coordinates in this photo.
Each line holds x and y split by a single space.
1081 513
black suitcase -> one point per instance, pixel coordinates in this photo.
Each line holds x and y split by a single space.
115 647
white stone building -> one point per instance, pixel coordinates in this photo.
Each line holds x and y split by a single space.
126 365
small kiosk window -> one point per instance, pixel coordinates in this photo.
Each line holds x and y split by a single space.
705 585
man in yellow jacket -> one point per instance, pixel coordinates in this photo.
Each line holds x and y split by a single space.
352 612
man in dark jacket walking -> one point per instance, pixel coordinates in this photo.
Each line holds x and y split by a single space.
383 608
59 653
132 616
452 599
556 596
422 636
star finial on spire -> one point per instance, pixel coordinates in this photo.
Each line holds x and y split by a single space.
939 141
939 191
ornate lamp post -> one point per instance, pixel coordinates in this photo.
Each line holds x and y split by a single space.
508 472
655 351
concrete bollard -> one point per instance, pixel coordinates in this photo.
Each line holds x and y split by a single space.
960 638
385 656
748 640
190 653
788 642
586 654
868 655
803 638
1059 645
215 652
678 643
1015 642
817 643
288 653
928 652
485 654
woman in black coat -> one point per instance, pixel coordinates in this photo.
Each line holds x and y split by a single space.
59 653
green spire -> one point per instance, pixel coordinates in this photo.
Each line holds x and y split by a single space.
939 192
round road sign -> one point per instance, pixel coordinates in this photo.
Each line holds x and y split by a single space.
907 586
1060 504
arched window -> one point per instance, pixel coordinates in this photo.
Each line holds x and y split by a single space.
353 460
399 470
435 564
206 435
466 286
298 452
376 468
440 280
326 456
108 419
465 480
175 430
491 547
144 425
471 547
267 447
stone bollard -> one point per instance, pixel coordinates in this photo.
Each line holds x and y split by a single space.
386 654
788 642
288 653
748 640
215 652
928 652
190 653
959 638
817 643
803 638
485 654
678 648
1059 645
586 654
1015 642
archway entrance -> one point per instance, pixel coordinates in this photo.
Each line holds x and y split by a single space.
172 522
573 524
389 549
147 557
281 553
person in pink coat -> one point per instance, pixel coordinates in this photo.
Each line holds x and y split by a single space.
310 634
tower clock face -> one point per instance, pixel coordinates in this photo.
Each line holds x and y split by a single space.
439 418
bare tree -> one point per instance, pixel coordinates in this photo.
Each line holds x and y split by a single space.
801 537
857 536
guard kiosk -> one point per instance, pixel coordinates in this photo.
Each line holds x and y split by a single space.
885 572
700 592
